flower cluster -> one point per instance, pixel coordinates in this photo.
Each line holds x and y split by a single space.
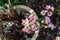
29 24
48 10
47 13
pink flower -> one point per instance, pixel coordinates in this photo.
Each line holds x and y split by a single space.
26 30
24 21
33 18
51 25
52 8
33 27
30 16
43 12
47 7
49 14
47 20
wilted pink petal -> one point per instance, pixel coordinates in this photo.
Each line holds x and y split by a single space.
52 8
51 25
47 20
47 7
49 13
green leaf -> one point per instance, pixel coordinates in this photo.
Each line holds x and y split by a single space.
14 2
58 9
43 17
